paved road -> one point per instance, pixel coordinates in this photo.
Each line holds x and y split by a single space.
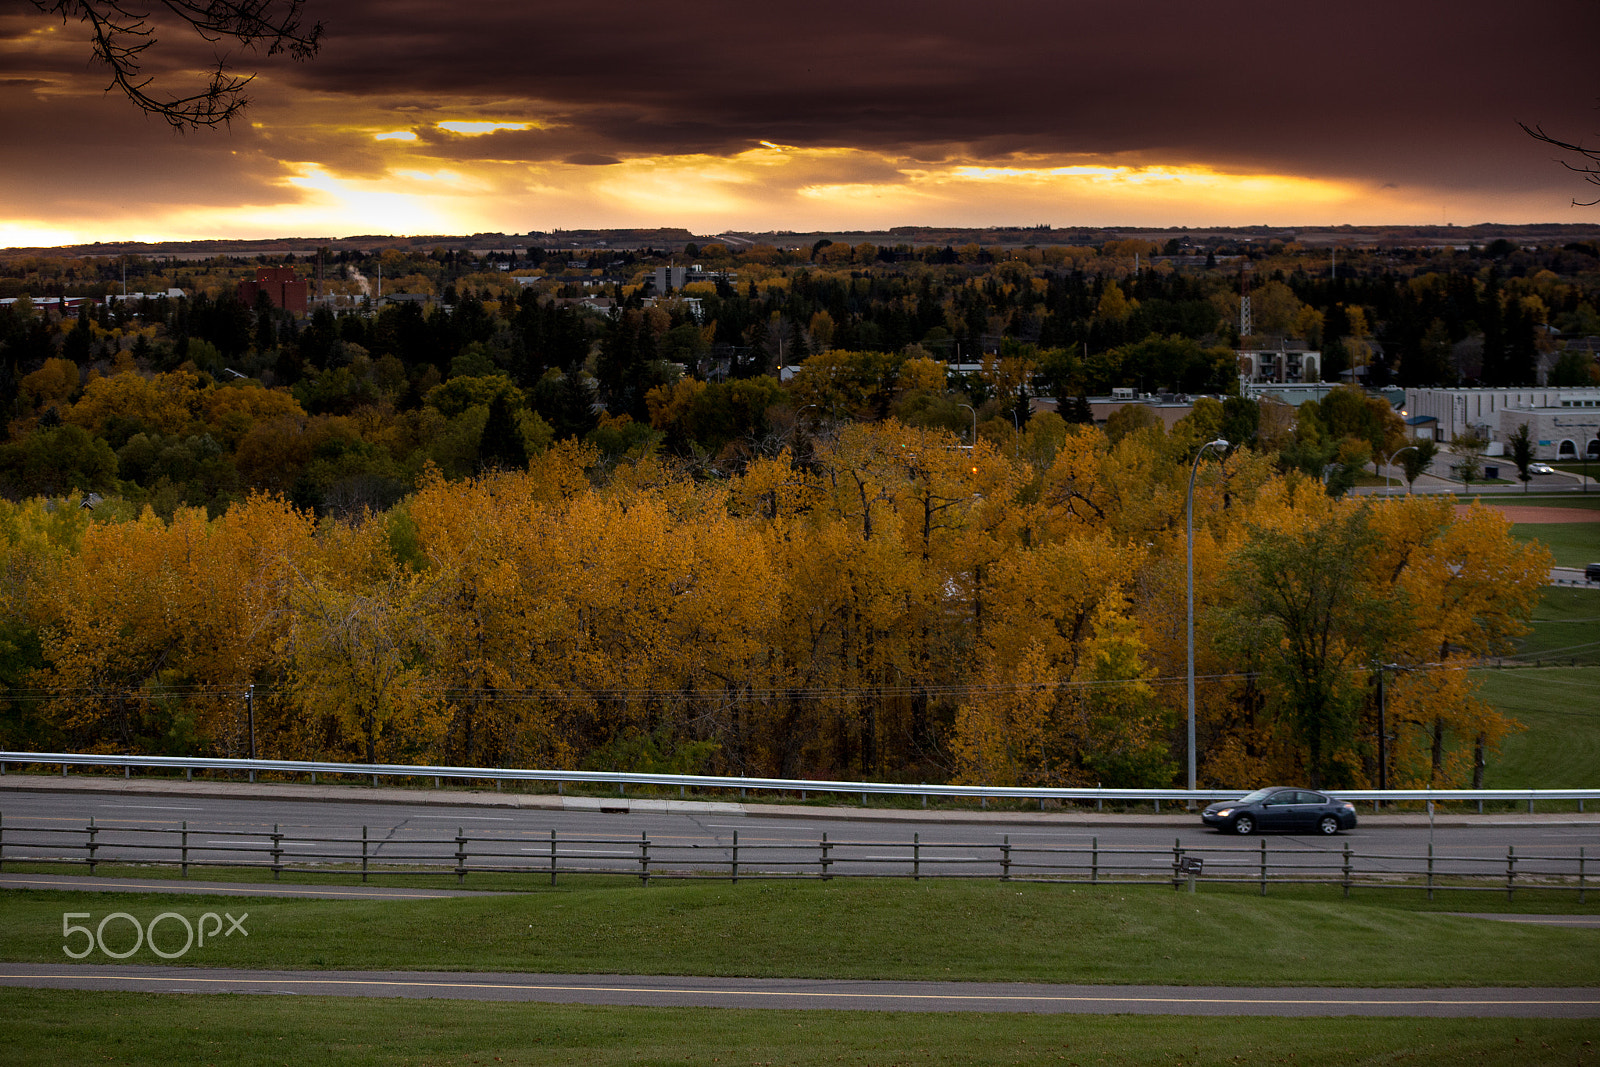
234 826
830 994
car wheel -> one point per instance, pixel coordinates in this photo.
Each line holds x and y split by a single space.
1244 824
1329 825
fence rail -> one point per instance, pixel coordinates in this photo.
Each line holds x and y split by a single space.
300 850
620 780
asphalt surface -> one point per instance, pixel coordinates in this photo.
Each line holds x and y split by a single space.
813 994
232 823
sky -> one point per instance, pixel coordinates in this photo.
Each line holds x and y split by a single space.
420 117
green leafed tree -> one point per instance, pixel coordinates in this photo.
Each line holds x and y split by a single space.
1302 615
1522 454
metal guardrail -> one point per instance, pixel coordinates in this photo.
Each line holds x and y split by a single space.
683 782
306 851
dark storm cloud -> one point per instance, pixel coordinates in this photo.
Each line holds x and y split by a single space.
1401 92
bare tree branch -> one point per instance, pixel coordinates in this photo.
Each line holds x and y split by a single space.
121 35
1589 158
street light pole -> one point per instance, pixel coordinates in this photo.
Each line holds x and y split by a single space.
974 411
1189 524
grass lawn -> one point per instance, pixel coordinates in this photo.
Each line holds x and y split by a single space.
946 929
1565 629
53 1027
1560 749
1574 544
1579 501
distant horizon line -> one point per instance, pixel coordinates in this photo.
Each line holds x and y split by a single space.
929 231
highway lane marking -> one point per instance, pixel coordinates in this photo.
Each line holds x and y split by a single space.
817 994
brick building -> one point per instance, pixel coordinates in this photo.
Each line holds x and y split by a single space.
283 287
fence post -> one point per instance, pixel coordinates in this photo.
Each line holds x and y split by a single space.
1430 870
92 846
183 845
1005 858
1263 866
277 852
825 860
1177 861
3 854
1347 870
644 857
363 853
552 856
461 856
1511 871
735 868
1094 860
916 855
1580 874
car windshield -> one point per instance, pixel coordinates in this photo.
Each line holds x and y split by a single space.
1251 798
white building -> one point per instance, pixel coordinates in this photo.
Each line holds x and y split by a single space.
1563 422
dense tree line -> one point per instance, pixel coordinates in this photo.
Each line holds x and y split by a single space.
351 407
514 527
876 599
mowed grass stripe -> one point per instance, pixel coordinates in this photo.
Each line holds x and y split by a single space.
53 1027
972 931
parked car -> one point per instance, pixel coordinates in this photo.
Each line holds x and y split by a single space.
1281 809
1540 468
1591 573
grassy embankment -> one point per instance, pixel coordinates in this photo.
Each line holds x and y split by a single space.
53 1027
1558 705
870 928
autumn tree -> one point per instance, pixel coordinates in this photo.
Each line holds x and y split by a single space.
358 646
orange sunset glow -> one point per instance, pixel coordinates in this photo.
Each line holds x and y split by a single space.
434 120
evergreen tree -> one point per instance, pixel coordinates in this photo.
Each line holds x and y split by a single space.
501 447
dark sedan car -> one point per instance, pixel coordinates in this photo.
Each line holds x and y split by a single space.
1282 810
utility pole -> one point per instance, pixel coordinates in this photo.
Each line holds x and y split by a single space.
1383 733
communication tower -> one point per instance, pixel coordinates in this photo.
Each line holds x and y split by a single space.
1246 326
